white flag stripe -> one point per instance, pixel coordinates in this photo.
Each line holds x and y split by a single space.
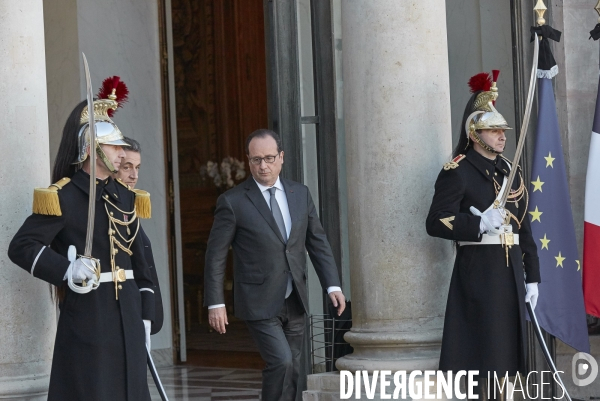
592 188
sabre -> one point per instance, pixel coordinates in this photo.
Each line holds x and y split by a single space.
154 373
524 124
89 236
86 258
540 337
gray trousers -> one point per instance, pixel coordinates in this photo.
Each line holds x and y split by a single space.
279 342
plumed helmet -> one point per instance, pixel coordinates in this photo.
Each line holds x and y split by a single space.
483 114
111 96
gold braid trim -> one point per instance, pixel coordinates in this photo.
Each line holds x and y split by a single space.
45 200
124 249
113 229
515 197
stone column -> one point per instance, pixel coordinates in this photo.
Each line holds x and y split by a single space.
397 119
27 313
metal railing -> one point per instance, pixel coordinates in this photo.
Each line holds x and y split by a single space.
326 341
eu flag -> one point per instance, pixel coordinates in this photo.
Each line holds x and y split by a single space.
560 309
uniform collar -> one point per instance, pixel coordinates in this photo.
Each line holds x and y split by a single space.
502 166
113 190
481 163
103 187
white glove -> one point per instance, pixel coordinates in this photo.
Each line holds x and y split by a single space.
532 294
491 220
147 327
80 270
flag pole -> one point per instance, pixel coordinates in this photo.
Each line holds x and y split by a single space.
550 350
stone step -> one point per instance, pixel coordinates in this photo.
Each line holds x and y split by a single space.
327 382
320 396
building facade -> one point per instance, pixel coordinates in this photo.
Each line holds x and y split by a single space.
367 95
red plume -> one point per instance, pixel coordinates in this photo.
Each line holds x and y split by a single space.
480 82
121 91
495 74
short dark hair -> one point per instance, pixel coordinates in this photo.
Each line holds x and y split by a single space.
261 133
134 145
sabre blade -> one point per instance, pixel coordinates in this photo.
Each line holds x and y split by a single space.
154 373
525 123
89 237
545 351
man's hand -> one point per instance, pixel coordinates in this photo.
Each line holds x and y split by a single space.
339 301
217 318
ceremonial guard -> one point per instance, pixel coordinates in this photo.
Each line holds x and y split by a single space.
105 297
484 327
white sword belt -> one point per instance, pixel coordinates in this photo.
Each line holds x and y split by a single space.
108 277
487 239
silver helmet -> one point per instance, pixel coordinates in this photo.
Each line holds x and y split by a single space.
107 132
484 115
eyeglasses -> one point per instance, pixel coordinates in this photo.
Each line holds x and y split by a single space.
268 159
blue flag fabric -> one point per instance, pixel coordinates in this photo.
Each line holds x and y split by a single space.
560 309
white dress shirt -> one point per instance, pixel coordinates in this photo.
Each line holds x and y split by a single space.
287 221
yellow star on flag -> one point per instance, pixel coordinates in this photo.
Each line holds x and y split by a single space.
578 265
549 160
537 185
535 215
545 242
559 260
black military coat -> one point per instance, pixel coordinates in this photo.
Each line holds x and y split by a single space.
157 323
484 327
99 352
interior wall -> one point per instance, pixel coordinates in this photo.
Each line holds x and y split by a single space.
118 38
479 39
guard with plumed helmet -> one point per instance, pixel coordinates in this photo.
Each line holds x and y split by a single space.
484 327
106 299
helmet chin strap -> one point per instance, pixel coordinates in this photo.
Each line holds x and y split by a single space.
482 143
105 160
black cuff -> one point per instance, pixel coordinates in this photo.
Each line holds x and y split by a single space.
51 267
148 305
466 228
532 270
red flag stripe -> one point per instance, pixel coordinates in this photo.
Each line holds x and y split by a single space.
591 270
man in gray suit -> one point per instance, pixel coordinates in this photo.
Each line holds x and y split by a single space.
270 222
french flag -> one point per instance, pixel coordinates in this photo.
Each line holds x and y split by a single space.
591 230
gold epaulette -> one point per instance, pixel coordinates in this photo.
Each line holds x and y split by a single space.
451 165
45 200
143 207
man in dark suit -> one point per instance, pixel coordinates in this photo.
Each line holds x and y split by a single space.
129 173
271 223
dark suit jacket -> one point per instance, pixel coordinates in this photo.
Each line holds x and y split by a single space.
262 261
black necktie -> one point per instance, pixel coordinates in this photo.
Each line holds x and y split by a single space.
277 214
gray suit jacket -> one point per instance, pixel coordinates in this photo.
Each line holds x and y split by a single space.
262 260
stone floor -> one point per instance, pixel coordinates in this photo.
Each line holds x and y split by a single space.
187 383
